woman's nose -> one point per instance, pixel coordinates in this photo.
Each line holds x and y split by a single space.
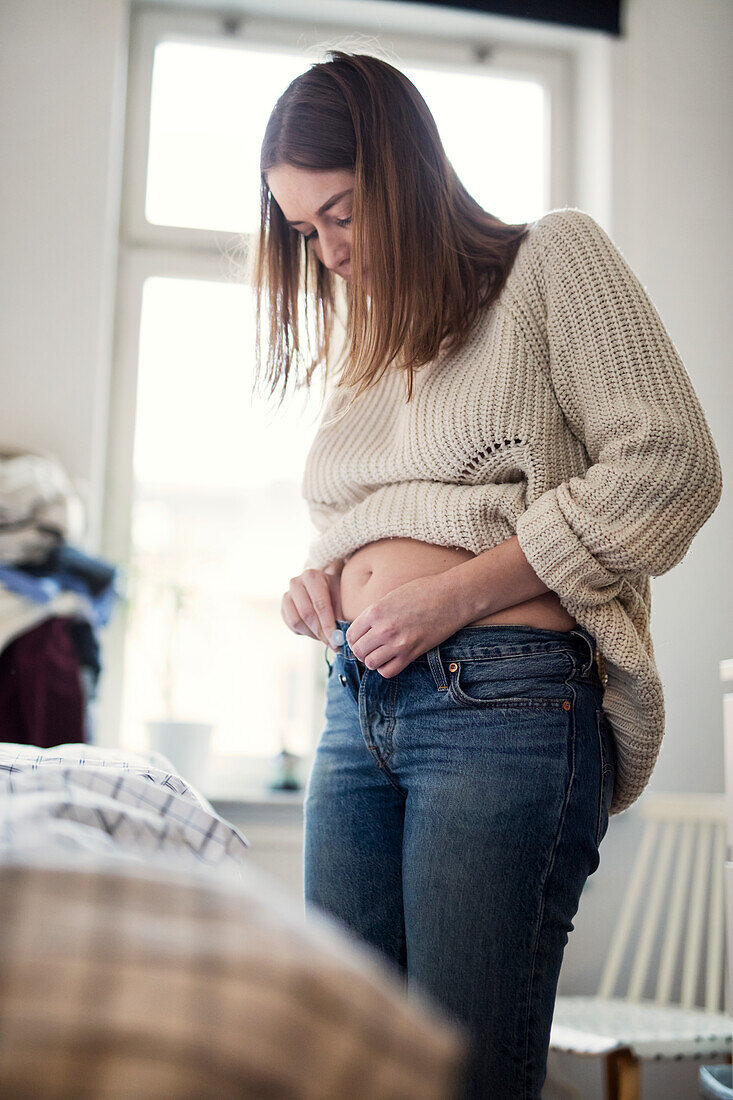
334 254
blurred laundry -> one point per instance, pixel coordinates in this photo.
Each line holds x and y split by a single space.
54 598
39 507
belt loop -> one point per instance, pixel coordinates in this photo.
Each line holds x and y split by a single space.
436 667
590 642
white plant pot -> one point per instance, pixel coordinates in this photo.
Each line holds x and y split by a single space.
187 746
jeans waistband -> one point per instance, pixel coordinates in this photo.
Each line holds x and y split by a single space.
499 640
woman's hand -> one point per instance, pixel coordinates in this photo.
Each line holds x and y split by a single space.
313 603
406 623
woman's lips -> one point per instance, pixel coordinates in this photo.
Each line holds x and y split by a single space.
348 275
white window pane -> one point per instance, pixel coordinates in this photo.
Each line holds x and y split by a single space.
210 106
493 131
208 112
219 527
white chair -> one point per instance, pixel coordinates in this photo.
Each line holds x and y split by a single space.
677 878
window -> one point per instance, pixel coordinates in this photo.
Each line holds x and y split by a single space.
203 490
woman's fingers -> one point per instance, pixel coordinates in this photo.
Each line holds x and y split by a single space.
311 597
319 589
304 608
291 618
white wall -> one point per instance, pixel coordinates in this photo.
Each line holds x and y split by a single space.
671 165
672 169
62 73
664 183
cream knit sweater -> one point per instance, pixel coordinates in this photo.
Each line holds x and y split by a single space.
569 420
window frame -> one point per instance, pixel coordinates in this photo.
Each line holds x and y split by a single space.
147 249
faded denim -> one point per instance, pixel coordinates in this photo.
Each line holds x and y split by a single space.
452 816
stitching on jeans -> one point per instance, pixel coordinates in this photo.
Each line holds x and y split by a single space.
435 664
392 780
460 697
393 719
585 671
520 656
551 864
385 770
602 792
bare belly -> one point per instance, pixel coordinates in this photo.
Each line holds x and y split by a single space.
379 567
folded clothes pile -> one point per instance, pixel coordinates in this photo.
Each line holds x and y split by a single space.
54 598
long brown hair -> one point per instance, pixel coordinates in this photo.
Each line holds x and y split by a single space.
435 256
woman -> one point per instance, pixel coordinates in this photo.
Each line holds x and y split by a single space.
482 538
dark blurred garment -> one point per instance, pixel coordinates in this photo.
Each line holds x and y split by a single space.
54 598
41 694
68 569
86 645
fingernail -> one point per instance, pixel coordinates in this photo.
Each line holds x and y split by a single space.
337 637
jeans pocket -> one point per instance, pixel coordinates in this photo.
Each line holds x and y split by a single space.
605 786
536 679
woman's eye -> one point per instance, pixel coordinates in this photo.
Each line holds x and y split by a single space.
340 222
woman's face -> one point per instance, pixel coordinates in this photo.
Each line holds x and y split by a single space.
319 205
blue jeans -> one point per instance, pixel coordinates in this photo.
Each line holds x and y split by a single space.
452 816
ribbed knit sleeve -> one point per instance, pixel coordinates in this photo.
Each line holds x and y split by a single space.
655 474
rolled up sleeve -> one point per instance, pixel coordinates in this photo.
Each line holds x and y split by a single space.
655 475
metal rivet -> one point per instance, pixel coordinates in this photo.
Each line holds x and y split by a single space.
566 705
453 667
342 678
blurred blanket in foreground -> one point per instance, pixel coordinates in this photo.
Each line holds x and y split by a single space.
143 955
108 801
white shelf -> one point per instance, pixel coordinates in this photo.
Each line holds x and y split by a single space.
258 798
